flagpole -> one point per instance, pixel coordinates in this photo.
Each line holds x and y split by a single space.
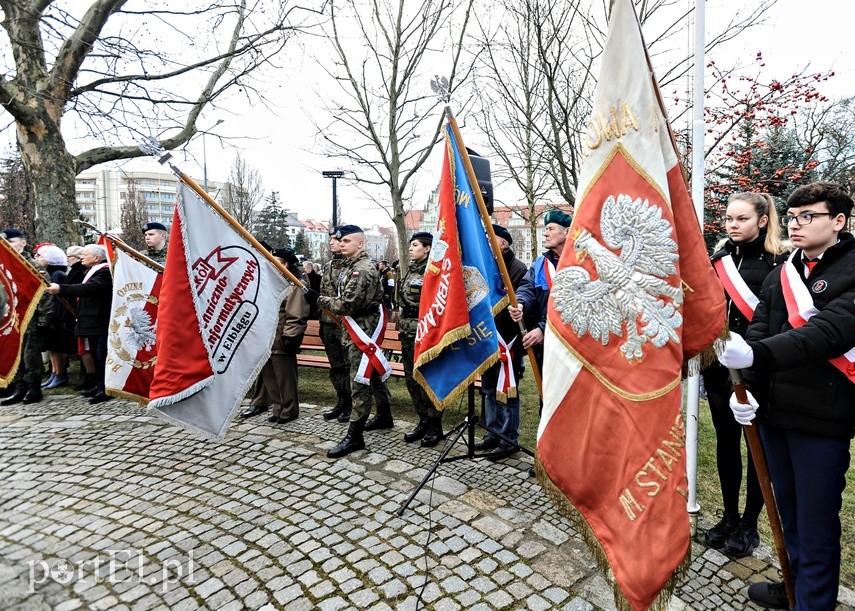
494 244
760 466
121 245
45 281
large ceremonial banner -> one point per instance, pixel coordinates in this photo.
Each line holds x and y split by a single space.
456 337
633 297
132 346
219 306
24 287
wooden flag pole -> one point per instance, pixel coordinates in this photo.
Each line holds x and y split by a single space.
759 459
494 244
118 243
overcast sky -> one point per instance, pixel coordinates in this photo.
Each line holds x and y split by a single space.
283 146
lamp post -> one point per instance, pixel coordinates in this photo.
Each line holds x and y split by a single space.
205 155
335 175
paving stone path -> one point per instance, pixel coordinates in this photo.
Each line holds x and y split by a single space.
104 507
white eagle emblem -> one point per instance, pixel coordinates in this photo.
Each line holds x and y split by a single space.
630 285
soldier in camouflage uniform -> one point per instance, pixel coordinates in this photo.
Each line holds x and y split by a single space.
331 336
27 383
408 294
359 296
156 242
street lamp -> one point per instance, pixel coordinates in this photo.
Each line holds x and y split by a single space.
335 175
205 156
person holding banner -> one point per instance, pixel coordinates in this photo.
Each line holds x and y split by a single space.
800 357
753 249
499 382
358 301
279 374
533 292
408 295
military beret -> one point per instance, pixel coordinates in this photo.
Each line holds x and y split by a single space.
559 217
332 230
12 233
343 230
153 225
286 254
266 246
422 236
501 232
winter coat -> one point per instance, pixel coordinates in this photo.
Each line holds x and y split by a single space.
791 376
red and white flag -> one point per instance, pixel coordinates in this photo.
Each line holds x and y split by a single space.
219 306
131 345
633 297
24 287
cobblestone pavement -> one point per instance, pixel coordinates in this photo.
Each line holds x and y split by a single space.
104 507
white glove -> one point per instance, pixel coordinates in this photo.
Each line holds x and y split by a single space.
737 354
743 413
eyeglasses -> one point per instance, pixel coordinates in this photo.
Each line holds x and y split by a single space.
804 218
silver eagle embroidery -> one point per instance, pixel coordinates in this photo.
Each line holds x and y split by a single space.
630 286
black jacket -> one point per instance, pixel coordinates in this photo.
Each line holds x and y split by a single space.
791 375
93 306
505 325
754 264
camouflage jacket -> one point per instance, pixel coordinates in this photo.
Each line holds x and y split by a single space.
157 255
358 292
409 292
329 283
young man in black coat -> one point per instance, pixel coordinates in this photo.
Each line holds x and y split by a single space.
798 369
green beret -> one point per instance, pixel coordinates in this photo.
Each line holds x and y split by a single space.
559 217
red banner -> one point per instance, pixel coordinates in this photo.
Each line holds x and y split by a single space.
24 287
634 295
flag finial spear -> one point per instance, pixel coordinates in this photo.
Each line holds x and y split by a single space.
440 87
151 146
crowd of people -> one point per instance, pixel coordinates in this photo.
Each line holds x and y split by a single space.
791 315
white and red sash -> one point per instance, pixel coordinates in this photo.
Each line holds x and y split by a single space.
92 270
735 286
373 360
506 385
800 308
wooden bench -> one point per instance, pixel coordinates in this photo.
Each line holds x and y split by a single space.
312 343
391 345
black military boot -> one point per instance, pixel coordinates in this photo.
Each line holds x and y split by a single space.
418 432
352 442
344 416
15 397
434 432
334 413
383 419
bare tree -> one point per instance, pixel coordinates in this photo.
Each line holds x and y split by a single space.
538 61
112 74
383 122
16 206
243 192
134 217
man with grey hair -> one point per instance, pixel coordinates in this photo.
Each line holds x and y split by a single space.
94 297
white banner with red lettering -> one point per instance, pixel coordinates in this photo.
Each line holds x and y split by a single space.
219 307
131 342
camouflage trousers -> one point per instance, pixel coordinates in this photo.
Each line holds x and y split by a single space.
339 364
361 393
30 369
421 401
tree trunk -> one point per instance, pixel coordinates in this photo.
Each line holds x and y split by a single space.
399 219
50 171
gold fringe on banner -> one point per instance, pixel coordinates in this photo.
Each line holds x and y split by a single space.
579 523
